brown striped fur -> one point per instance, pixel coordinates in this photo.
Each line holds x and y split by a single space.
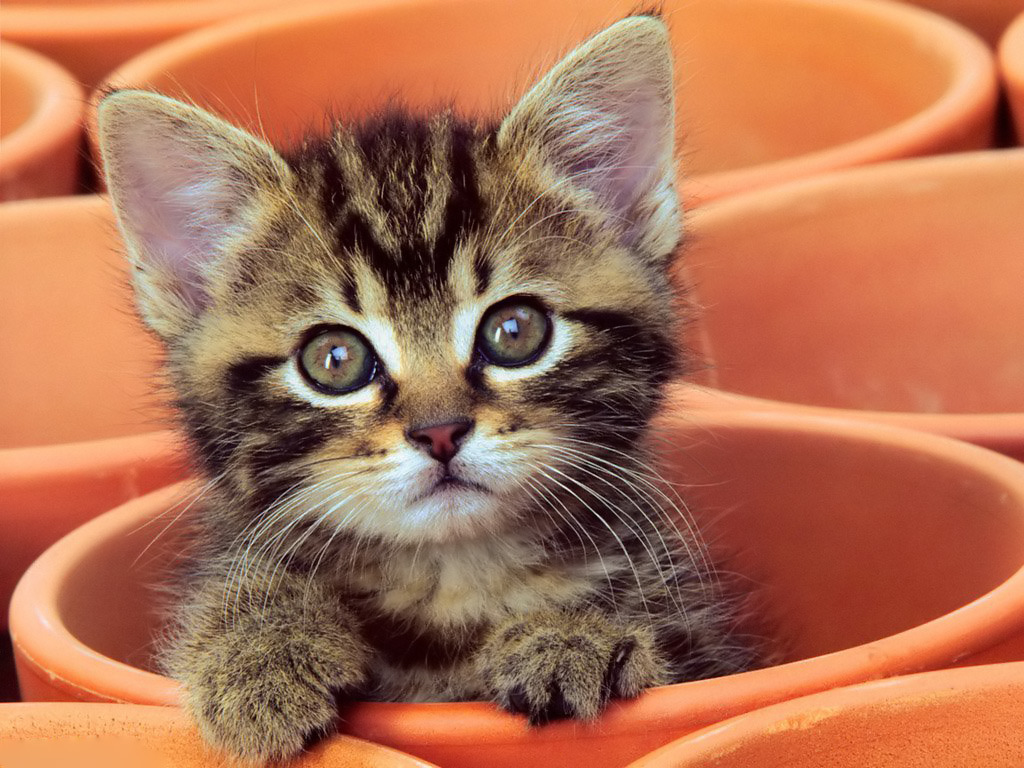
325 563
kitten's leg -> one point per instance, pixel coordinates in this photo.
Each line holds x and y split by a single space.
261 667
555 663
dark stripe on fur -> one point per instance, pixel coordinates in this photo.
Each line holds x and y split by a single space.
244 375
465 209
481 273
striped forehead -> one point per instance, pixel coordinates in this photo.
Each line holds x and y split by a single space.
399 196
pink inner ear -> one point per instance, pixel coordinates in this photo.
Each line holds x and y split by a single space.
619 166
179 199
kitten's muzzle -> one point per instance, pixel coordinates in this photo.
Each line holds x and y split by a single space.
441 441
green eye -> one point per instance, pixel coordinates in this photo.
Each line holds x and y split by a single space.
513 333
337 360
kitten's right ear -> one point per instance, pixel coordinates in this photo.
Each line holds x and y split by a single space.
185 186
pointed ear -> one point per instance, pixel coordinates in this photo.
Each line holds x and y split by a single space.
605 118
185 186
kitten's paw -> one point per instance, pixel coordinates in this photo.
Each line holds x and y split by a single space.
552 665
263 696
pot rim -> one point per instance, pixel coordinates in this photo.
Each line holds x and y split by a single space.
59 104
33 464
70 721
98 20
715 739
972 91
59 657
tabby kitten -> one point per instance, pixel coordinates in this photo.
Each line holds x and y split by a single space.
416 362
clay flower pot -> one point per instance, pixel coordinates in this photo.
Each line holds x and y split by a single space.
77 391
960 718
762 95
1011 63
892 293
850 530
40 126
132 736
91 37
987 18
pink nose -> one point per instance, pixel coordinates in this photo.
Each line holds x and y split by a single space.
441 441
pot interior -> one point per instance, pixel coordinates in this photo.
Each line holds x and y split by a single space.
888 289
756 81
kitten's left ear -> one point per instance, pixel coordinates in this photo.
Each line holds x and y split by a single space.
605 117
187 188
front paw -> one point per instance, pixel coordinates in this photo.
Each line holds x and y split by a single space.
262 696
568 664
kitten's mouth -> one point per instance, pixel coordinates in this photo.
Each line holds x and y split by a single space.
449 482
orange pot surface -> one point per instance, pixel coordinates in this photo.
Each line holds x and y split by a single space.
91 37
1011 64
987 18
40 126
962 718
132 736
762 95
77 389
891 292
851 532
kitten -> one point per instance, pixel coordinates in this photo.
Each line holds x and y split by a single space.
416 362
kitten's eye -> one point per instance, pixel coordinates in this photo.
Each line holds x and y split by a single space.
513 333
337 360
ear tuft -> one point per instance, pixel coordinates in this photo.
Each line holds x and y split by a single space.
185 186
604 117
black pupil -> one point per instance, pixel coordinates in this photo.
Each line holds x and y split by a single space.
511 327
336 357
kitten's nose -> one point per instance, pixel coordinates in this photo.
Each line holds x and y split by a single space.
441 441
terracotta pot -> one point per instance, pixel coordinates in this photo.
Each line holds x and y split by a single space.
762 96
1011 63
828 516
132 736
961 718
77 380
892 293
91 37
987 18
40 126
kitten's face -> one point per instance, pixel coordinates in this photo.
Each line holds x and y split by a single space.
415 330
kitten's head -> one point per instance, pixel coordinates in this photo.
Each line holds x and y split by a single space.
416 329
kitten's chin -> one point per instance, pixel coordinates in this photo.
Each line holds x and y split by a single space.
452 512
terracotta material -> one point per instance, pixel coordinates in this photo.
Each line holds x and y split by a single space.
852 530
962 718
76 380
987 18
1011 63
892 293
132 736
762 95
40 126
91 37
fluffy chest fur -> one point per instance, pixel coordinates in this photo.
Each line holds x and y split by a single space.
449 586
426 613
